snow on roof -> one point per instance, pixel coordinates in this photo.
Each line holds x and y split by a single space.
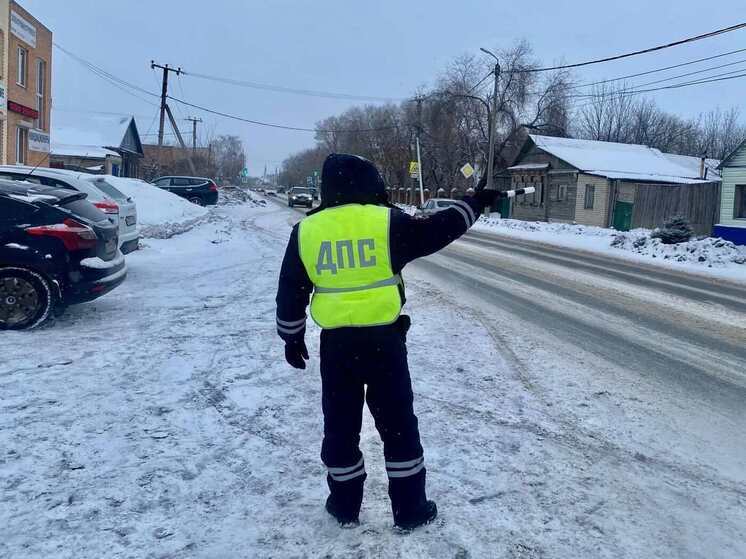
528 166
693 164
87 152
92 130
621 161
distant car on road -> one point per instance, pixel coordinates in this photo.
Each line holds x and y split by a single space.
121 210
56 249
198 190
435 205
300 196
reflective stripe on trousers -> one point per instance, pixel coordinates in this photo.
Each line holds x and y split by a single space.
347 473
406 468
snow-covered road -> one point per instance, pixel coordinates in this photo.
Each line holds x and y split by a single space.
162 420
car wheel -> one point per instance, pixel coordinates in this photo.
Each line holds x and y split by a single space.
26 299
196 200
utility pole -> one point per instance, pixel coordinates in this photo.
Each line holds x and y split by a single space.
493 122
194 121
164 96
166 111
419 156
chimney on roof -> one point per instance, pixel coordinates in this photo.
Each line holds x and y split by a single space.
702 174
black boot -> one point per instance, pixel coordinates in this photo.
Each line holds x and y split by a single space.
424 515
345 518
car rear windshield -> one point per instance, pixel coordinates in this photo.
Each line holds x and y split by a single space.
109 189
84 209
301 191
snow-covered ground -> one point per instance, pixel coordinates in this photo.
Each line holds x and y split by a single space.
162 421
708 256
705 256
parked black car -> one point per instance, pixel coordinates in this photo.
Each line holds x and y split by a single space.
197 190
56 249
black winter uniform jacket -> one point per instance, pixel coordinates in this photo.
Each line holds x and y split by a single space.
409 238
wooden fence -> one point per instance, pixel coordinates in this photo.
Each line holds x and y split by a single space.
699 203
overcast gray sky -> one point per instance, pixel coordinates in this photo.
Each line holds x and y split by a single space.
380 48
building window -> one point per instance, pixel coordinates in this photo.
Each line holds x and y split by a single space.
562 193
21 146
739 210
590 196
41 93
22 67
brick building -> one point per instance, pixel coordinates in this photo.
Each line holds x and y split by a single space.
25 105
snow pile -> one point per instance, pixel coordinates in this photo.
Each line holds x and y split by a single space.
709 251
234 196
706 252
160 213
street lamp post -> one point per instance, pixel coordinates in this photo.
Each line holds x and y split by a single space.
493 122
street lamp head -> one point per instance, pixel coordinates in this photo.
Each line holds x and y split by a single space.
485 51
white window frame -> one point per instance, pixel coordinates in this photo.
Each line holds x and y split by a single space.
21 145
22 70
41 92
561 192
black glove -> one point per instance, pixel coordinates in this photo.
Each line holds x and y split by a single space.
296 353
486 197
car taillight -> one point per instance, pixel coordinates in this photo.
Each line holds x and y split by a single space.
213 187
107 206
73 234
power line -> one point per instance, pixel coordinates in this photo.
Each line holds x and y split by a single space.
638 52
111 78
630 76
295 91
271 125
587 95
622 94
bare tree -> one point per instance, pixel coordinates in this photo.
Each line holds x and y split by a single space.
616 114
229 157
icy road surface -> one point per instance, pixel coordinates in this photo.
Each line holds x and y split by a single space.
565 413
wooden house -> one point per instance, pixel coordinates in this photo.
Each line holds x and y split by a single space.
732 224
616 185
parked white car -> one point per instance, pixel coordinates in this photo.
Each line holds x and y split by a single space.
121 209
435 205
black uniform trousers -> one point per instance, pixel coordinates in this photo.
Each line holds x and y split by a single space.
376 357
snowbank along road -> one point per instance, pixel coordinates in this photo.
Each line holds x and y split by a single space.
570 406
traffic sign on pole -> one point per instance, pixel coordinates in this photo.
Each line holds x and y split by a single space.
467 170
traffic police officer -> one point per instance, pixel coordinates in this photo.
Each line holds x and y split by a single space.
347 257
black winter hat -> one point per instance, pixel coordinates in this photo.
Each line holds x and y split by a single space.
349 179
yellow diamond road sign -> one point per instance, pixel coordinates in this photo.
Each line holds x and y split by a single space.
467 170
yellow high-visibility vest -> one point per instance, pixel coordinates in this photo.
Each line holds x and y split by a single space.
345 251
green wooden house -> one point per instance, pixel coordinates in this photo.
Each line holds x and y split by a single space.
732 226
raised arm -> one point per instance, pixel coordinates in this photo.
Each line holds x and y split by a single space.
413 237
